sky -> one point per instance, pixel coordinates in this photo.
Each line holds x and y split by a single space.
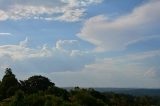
86 43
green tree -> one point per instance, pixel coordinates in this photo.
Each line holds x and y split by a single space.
143 101
84 97
35 84
9 84
60 92
18 99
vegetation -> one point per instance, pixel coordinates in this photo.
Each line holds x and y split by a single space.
40 91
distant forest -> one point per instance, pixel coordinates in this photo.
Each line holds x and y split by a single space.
38 90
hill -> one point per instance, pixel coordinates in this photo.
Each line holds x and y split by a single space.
132 91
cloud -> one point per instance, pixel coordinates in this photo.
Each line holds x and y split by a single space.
25 60
24 43
120 71
62 10
117 34
127 73
67 65
5 34
67 44
71 15
3 15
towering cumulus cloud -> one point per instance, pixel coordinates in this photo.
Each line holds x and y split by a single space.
45 59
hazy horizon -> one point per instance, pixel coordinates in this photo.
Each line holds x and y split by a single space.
86 43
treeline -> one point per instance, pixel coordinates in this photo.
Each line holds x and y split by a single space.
40 91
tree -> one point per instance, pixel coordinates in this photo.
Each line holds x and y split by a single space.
9 84
85 97
60 92
36 83
18 99
143 101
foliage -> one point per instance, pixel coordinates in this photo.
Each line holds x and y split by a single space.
9 84
36 83
40 91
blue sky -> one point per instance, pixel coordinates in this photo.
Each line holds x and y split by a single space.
87 43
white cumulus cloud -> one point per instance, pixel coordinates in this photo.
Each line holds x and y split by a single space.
117 34
46 59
